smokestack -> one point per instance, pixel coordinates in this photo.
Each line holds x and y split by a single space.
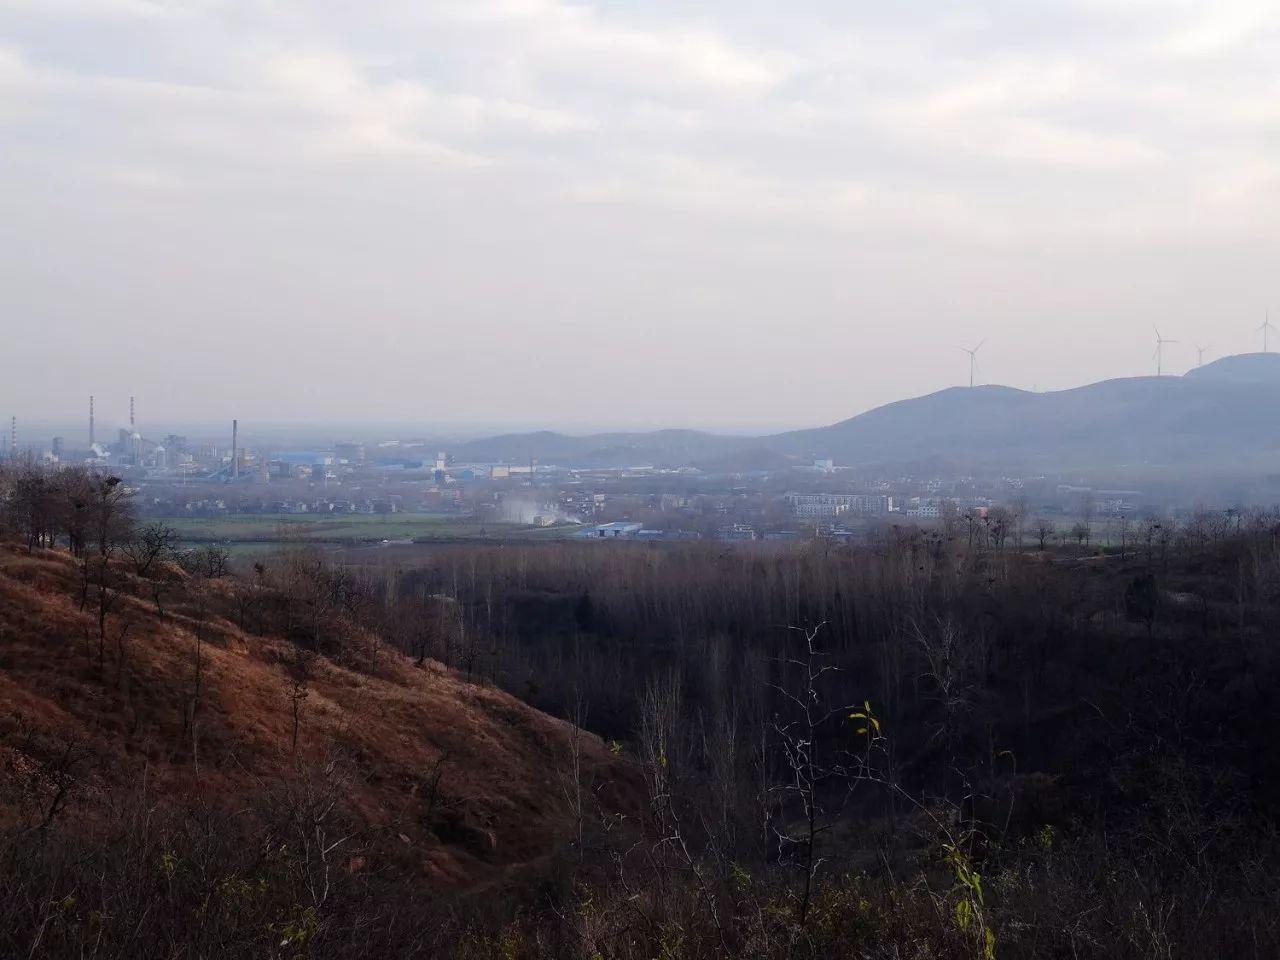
235 450
91 420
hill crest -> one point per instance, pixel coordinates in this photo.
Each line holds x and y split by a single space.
1213 416
1242 368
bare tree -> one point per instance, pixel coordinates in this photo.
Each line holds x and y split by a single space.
1000 523
191 717
572 787
313 824
1088 508
211 561
819 780
248 592
148 546
1018 516
110 529
662 754
300 669
952 662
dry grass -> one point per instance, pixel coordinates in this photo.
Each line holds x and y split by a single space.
494 809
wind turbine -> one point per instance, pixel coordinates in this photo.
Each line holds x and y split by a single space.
1159 354
1267 326
973 361
1200 356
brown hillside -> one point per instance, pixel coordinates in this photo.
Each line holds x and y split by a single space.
462 781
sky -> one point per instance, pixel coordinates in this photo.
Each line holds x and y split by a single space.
715 213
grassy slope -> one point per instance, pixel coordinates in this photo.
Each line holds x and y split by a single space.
499 803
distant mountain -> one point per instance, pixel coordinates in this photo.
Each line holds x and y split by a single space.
1226 413
1244 368
659 447
1222 415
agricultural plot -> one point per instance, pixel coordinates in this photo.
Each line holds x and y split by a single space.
396 527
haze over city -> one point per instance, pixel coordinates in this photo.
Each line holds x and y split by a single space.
540 213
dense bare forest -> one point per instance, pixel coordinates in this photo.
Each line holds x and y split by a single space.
940 744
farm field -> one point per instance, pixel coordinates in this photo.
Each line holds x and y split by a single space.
260 528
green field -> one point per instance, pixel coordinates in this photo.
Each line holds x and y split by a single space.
346 528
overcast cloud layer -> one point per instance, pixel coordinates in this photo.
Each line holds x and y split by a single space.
537 211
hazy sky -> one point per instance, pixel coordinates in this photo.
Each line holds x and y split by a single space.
724 212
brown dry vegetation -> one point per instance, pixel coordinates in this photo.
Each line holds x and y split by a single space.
450 783
922 748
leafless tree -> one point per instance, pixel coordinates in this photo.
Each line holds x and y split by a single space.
301 666
572 787
818 779
1018 517
314 826
1046 530
211 561
199 615
146 547
952 662
150 544
1001 521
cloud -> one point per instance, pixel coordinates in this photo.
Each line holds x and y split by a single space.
100 9
553 35
346 114
420 169
1225 27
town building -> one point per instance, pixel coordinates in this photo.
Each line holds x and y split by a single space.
836 504
349 451
611 531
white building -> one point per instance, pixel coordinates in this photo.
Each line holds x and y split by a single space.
836 504
924 508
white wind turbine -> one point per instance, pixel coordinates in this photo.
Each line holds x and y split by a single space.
973 361
1266 327
1159 354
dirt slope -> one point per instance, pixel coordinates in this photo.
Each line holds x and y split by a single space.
463 779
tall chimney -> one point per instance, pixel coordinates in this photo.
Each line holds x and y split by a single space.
235 450
91 420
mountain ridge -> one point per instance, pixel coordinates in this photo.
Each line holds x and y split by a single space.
1218 413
